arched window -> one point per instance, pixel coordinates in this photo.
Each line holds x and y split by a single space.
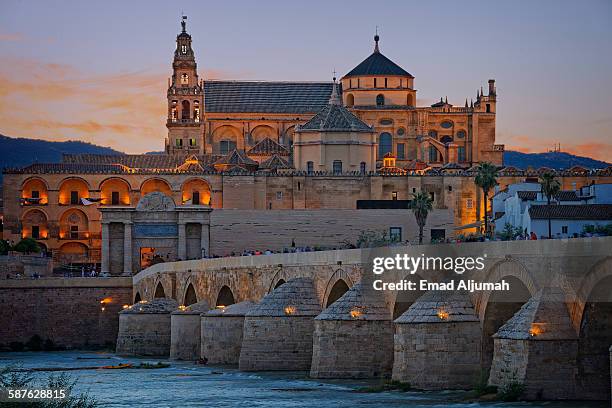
446 139
433 154
337 166
380 100
362 167
350 100
185 110
310 167
385 144
184 79
227 146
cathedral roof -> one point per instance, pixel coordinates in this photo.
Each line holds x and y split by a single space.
236 157
136 161
378 64
268 147
265 97
334 118
275 162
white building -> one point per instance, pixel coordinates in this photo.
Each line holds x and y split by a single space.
523 205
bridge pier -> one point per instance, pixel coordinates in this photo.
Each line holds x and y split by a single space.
438 343
185 331
538 348
344 345
221 333
144 328
278 331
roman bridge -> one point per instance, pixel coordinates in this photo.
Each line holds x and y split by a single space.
557 314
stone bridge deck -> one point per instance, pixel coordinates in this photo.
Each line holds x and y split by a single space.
574 265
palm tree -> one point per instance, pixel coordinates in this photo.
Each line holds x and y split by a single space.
549 186
420 205
486 178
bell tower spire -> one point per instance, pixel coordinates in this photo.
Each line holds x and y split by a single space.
185 99
376 39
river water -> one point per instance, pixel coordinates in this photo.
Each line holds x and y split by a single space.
190 385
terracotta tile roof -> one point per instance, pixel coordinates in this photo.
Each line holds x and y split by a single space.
527 195
267 147
266 97
567 195
572 212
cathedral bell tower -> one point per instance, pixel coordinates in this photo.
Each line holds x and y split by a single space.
185 100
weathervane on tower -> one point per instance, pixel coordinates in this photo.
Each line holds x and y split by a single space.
184 22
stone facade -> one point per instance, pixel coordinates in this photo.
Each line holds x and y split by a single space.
185 328
278 331
153 231
343 346
144 328
438 342
222 333
72 232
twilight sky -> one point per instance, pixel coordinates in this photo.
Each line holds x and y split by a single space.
97 71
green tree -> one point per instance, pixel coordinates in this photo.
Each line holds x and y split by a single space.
420 205
27 245
486 179
549 186
4 247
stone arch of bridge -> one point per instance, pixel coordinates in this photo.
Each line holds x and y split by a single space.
190 297
594 307
499 270
495 308
183 287
599 271
225 297
338 275
159 291
280 275
160 288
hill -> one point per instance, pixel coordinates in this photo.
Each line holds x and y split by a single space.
19 152
553 160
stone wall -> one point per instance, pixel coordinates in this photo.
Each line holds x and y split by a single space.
435 356
237 230
221 339
277 343
352 349
144 334
66 311
185 336
26 265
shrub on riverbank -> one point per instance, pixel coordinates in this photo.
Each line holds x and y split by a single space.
12 377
